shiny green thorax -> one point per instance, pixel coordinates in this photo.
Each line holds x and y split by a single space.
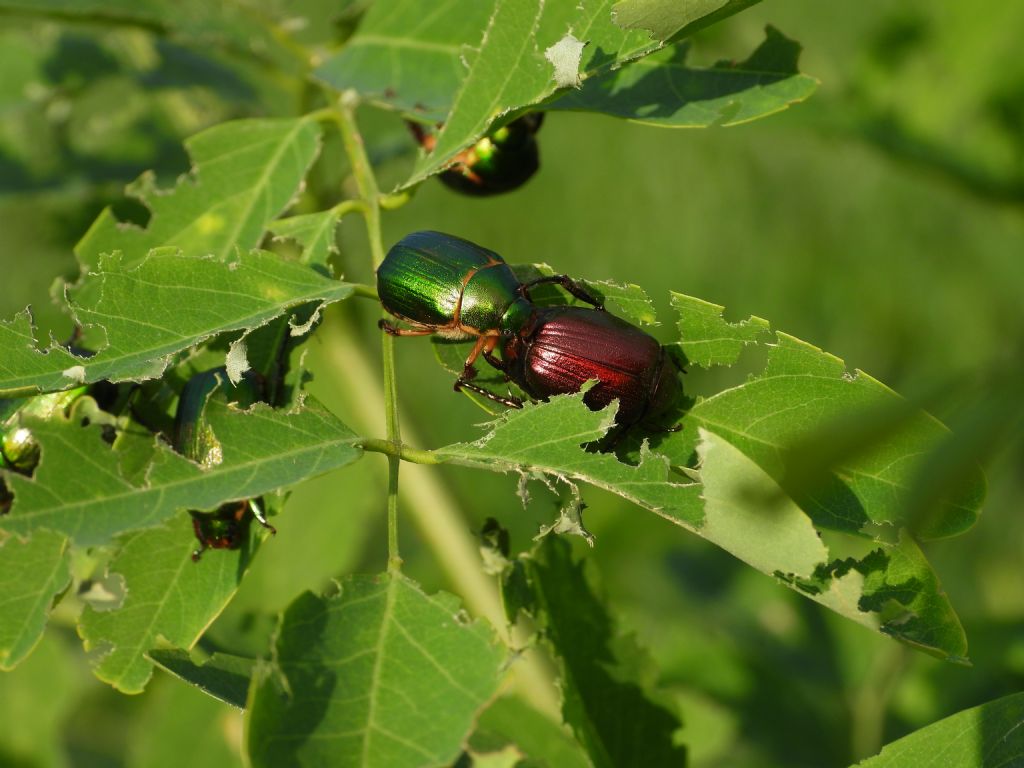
450 285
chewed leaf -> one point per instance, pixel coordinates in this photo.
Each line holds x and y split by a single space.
604 701
800 394
156 308
315 232
168 599
890 589
32 572
80 488
244 174
379 674
512 445
706 338
663 90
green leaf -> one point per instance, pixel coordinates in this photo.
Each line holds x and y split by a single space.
79 487
671 19
890 589
511 71
155 308
45 691
32 572
222 676
510 721
663 90
229 24
380 674
314 232
244 173
987 736
168 598
744 517
179 727
613 719
801 390
409 58
547 438
706 339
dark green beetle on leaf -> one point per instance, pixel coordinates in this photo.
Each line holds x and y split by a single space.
503 160
225 527
442 284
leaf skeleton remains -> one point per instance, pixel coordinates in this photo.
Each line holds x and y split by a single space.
444 285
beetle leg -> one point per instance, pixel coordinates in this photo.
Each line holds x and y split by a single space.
261 518
496 363
569 284
393 330
511 402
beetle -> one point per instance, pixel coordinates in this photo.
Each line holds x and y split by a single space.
561 348
19 450
503 160
224 528
441 284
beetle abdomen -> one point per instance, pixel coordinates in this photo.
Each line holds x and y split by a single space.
571 345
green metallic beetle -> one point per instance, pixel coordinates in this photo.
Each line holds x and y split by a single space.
224 528
442 284
503 160
19 450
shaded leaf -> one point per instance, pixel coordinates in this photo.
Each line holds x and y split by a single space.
612 717
661 89
157 307
168 598
32 573
222 676
79 487
988 736
380 674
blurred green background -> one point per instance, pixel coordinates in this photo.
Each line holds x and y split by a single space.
883 221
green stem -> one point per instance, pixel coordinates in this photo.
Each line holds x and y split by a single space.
403 452
366 182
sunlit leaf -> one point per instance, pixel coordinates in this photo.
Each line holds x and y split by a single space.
168 598
380 674
663 90
32 572
79 487
987 736
244 173
667 19
151 310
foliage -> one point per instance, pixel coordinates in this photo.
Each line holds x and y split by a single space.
294 113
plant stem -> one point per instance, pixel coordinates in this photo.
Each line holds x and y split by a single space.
404 452
366 182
